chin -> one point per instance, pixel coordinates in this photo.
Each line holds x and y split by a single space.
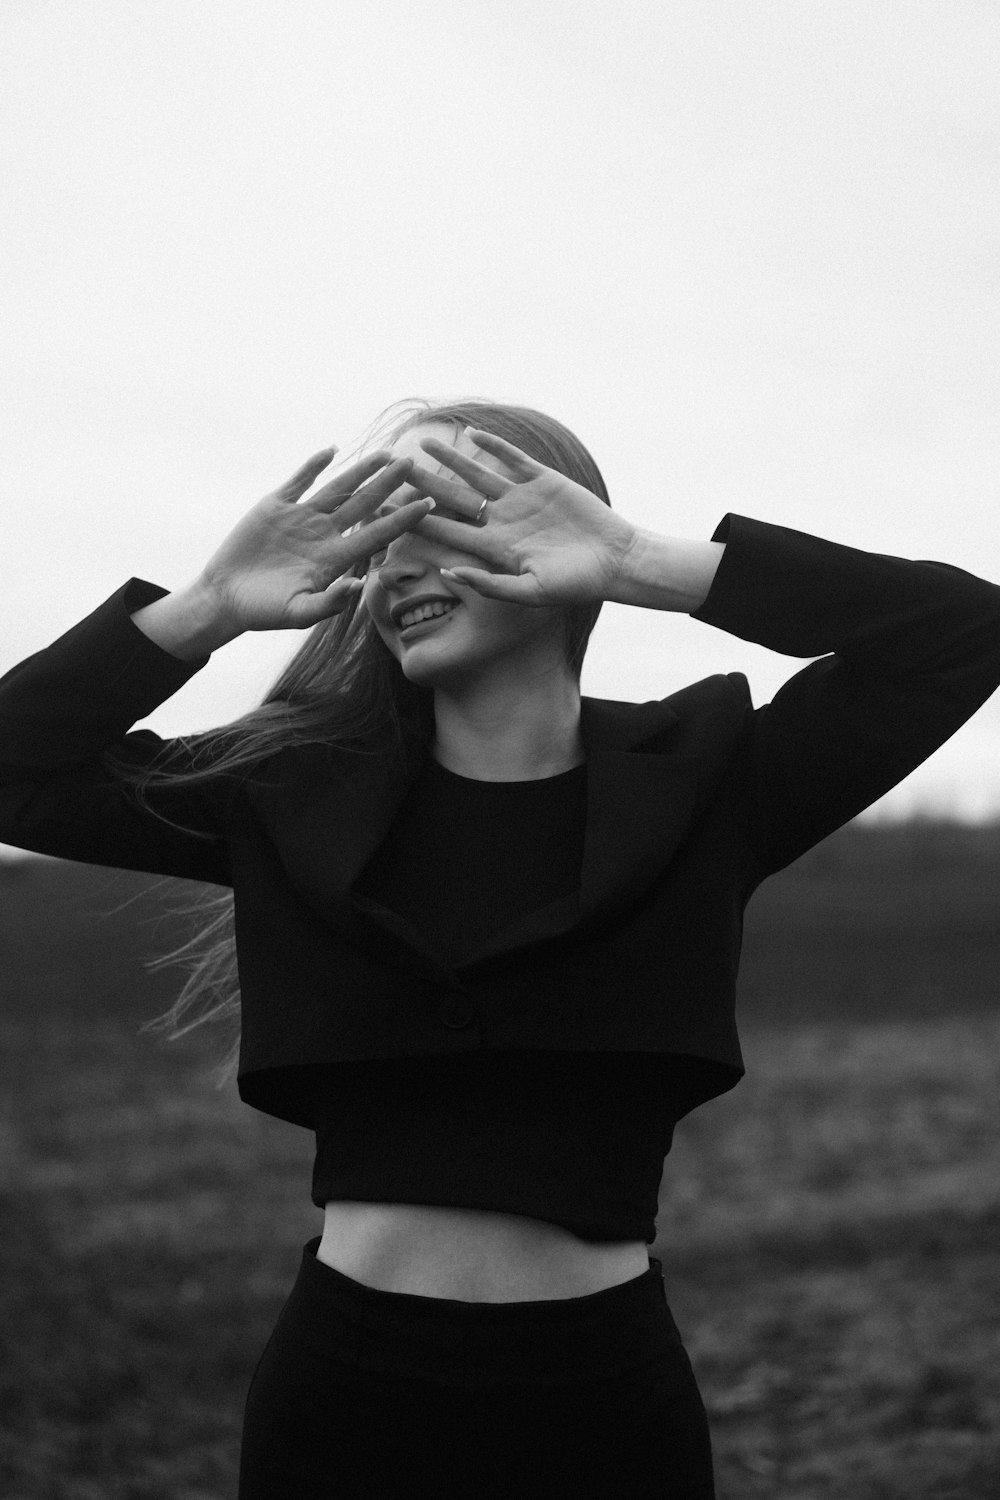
437 669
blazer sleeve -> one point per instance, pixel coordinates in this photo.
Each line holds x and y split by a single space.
62 709
908 652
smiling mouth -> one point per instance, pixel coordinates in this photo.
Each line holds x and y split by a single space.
425 614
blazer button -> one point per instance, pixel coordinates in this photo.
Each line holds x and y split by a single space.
456 1012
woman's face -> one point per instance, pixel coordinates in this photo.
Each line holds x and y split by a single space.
466 634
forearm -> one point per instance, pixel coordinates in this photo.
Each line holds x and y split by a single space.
662 572
901 653
186 623
63 712
66 704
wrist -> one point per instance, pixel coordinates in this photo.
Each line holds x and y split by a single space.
662 572
208 614
189 623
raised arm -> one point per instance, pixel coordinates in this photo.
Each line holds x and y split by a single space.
64 710
61 709
908 652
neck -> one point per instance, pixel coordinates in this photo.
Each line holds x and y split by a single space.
509 730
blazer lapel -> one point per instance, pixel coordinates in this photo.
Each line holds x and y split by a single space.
334 810
639 804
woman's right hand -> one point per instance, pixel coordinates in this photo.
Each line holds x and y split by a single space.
287 564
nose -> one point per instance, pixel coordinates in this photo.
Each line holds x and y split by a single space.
405 561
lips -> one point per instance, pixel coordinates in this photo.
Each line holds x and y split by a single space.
407 606
412 619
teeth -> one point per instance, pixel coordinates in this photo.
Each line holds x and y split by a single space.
424 612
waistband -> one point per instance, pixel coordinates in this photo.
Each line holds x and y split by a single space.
601 1334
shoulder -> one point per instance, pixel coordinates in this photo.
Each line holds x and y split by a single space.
725 692
716 706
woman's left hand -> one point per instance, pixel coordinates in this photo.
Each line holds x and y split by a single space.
543 539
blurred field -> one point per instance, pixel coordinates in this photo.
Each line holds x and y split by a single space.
830 1230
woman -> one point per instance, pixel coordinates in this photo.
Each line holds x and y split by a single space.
488 930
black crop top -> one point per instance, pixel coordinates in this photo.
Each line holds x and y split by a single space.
577 1139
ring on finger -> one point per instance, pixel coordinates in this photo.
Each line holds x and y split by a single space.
481 512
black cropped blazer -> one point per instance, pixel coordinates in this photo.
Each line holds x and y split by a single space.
691 802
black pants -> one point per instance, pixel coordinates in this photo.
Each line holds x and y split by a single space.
361 1392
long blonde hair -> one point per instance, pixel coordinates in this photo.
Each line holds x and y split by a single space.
342 686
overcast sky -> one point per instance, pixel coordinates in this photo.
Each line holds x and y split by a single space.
749 250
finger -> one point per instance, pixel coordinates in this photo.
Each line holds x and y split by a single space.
462 537
382 530
347 511
520 465
303 477
506 586
456 497
487 481
346 483
310 609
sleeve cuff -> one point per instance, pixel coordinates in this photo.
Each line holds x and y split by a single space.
135 665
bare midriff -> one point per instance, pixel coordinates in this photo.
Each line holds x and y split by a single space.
470 1254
